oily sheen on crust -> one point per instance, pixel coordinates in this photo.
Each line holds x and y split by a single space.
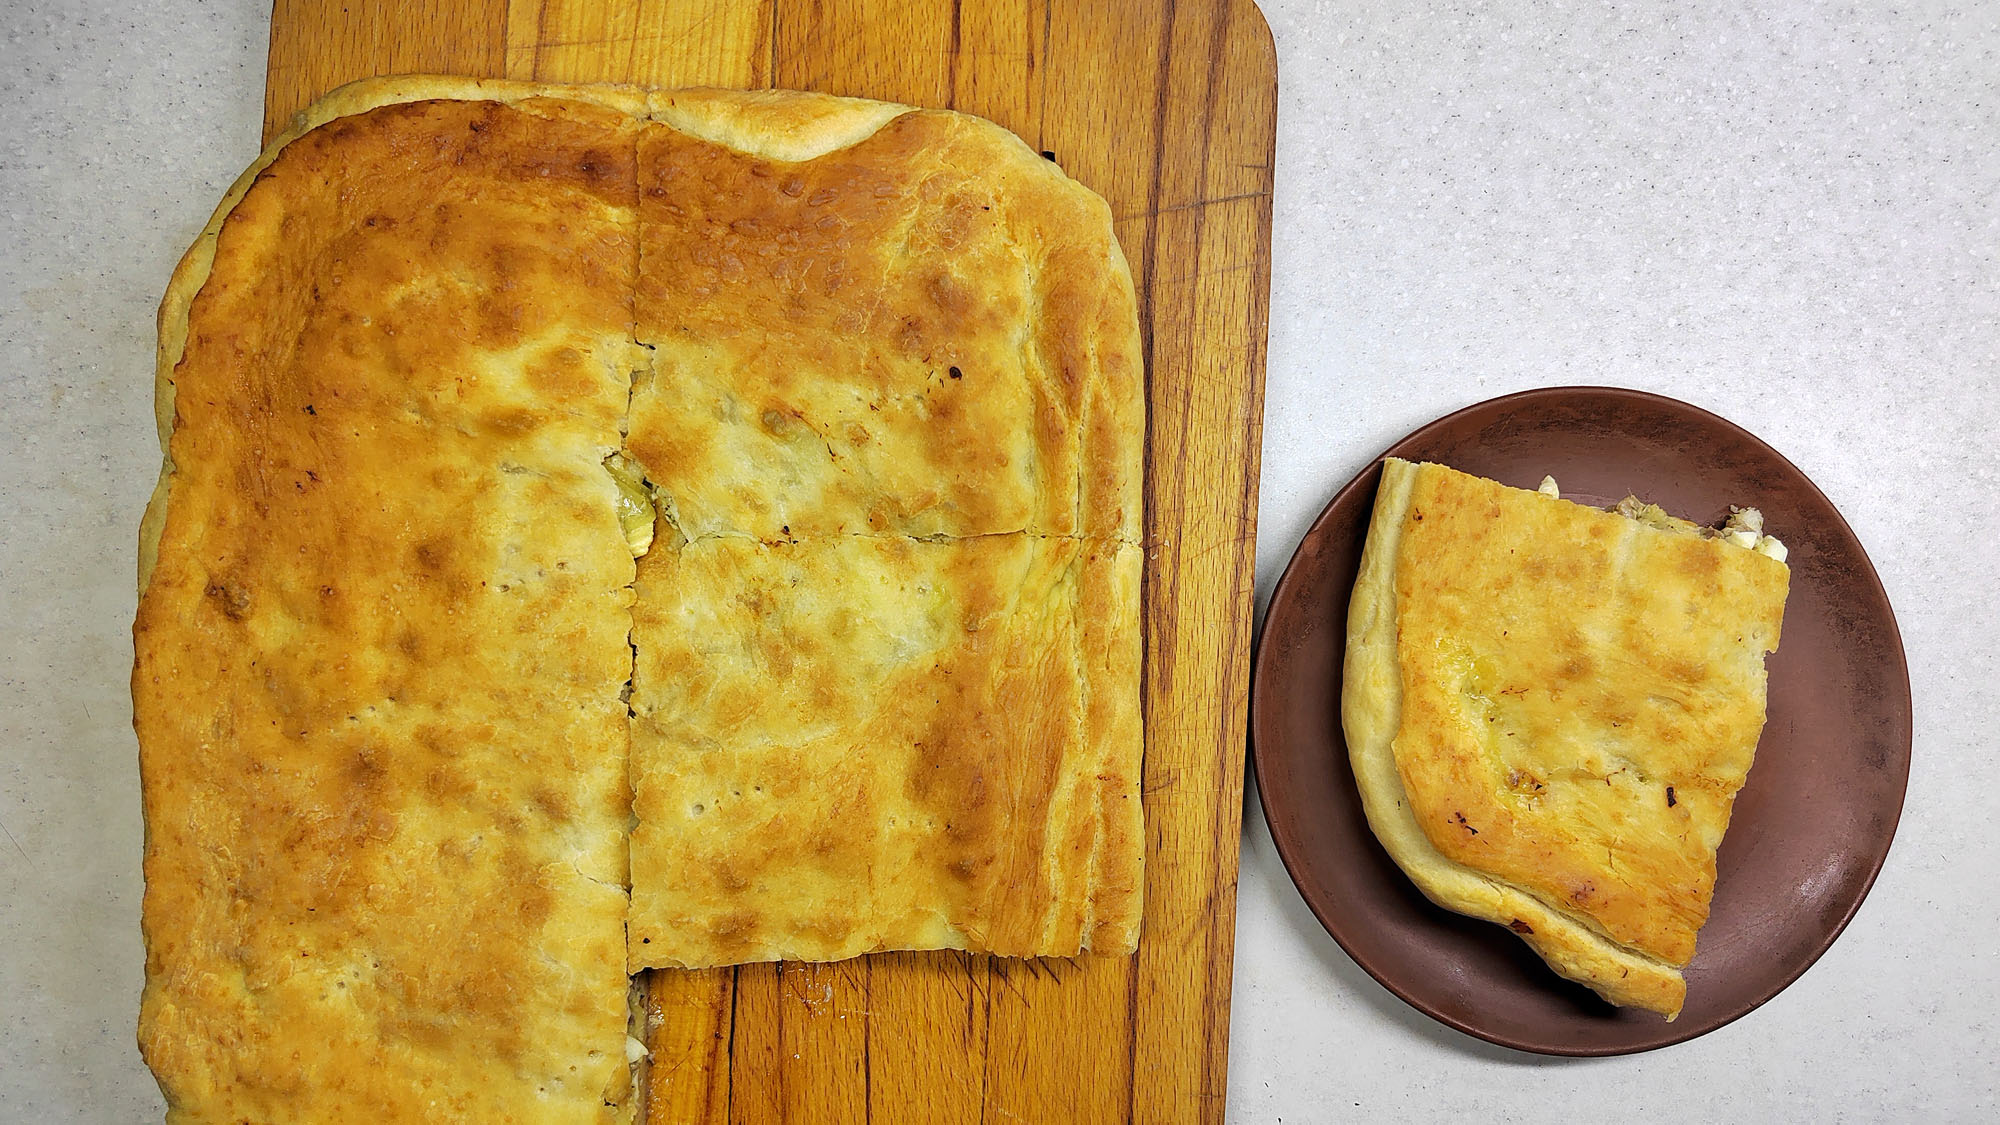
450 566
1549 711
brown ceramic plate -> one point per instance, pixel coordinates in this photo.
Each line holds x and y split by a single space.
1812 825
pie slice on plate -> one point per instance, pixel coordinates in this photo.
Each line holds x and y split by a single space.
1550 709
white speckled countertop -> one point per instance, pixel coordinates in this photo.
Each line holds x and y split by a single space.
1790 217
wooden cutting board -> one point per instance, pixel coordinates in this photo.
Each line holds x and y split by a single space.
1168 111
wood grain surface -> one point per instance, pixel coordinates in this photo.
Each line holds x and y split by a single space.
1167 110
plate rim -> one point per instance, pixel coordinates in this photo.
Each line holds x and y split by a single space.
1290 849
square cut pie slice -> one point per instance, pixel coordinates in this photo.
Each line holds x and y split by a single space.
871 319
1550 709
853 744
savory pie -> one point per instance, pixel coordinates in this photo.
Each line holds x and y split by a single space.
926 329
1550 709
859 743
891 419
848 393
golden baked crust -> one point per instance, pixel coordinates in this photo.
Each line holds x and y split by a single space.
1550 709
891 350
924 329
389 404
383 633
193 269
850 744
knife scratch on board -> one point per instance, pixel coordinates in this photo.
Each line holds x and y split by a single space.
16 843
